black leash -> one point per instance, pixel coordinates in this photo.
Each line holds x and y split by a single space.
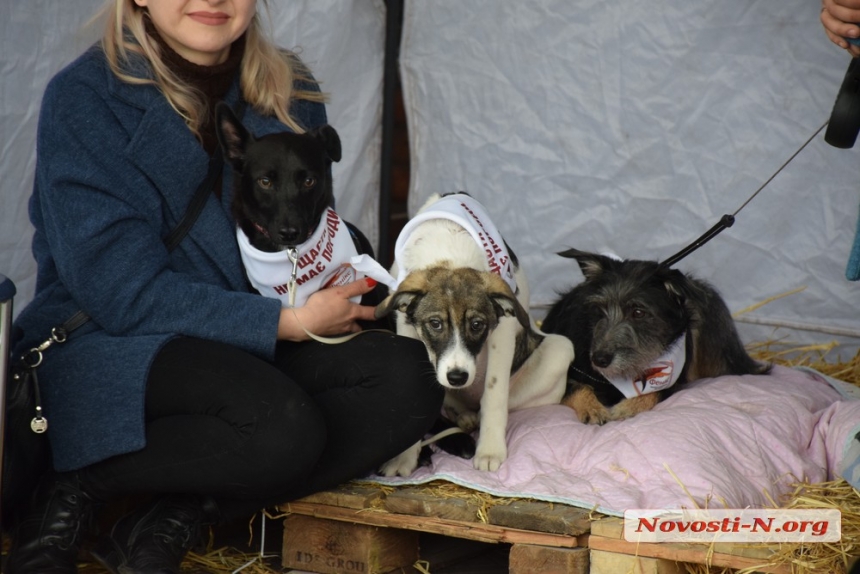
729 219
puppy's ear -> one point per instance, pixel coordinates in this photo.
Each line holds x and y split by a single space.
329 139
591 264
410 291
504 300
399 301
232 135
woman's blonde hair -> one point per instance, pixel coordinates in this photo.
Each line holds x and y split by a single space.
266 78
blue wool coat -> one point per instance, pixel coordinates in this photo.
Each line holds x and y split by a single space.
116 168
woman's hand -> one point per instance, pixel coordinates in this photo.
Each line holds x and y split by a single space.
840 18
327 312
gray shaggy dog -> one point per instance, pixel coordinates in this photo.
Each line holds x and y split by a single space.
628 316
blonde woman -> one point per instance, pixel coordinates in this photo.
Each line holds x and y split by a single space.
183 385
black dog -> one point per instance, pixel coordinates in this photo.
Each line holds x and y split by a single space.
283 193
625 319
283 181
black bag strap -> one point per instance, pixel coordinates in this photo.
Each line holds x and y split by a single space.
198 200
195 206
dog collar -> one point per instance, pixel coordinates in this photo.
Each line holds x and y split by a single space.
294 275
660 375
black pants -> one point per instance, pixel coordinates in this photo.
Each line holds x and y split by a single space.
251 434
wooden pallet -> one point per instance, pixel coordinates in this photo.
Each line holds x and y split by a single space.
368 529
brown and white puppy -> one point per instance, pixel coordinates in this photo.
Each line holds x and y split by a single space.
487 353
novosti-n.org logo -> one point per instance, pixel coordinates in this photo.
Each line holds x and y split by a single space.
733 525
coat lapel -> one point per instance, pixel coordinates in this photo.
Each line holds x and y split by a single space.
177 175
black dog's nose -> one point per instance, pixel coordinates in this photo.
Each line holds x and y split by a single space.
288 235
602 358
457 377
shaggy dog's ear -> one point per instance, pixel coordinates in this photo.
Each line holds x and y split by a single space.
591 264
676 283
232 136
327 136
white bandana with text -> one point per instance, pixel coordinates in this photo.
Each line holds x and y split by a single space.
466 212
662 374
322 261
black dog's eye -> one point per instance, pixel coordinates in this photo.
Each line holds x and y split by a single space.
637 313
309 182
264 182
476 325
435 324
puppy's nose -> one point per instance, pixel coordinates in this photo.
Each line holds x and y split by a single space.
457 377
602 358
288 235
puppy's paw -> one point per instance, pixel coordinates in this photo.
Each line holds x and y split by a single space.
403 464
490 455
468 420
587 407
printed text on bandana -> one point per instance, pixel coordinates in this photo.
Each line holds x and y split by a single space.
293 275
313 263
491 248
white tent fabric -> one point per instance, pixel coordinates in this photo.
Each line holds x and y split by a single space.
341 40
632 127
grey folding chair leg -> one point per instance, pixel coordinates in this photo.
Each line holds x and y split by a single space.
7 293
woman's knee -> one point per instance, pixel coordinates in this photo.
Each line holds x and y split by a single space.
290 432
285 446
412 376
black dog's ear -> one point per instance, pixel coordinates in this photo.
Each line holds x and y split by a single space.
232 135
591 264
329 139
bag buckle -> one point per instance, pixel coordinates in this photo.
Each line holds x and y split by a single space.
33 357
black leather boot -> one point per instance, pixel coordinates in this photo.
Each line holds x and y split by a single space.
48 538
155 538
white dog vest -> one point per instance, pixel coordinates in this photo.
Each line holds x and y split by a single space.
662 374
469 214
321 261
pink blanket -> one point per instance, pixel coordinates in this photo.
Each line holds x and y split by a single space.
728 442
